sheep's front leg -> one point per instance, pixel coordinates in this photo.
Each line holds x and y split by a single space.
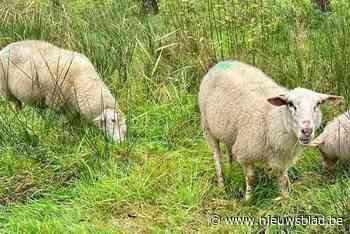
214 145
250 179
328 163
16 105
284 184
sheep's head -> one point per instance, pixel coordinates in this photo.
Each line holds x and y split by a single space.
303 107
112 124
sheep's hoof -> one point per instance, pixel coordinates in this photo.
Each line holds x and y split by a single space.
248 199
248 196
281 198
220 181
221 188
326 172
327 168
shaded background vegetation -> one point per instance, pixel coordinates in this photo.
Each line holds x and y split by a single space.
59 175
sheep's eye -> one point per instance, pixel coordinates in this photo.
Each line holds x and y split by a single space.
113 120
317 105
291 105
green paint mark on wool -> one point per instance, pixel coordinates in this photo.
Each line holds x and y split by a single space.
221 66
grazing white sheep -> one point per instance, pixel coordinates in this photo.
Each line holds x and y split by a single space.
334 141
256 119
36 72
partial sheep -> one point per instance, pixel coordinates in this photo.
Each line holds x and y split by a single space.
39 73
256 119
334 141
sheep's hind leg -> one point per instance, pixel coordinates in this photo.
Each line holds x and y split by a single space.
250 179
214 145
230 154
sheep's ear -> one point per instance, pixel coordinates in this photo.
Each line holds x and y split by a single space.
336 100
279 100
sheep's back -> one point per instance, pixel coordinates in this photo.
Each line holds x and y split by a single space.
233 100
51 73
50 62
336 137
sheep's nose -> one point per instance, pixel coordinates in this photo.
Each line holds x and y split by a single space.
306 123
307 131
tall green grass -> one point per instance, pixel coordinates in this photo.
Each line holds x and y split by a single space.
60 175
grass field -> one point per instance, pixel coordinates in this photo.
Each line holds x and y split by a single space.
60 175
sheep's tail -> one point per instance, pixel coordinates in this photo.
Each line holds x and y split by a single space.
316 142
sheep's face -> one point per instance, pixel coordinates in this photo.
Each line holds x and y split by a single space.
112 124
303 109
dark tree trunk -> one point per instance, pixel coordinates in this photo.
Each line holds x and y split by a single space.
323 5
150 7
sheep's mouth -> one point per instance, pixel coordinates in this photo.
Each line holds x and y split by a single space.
304 140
